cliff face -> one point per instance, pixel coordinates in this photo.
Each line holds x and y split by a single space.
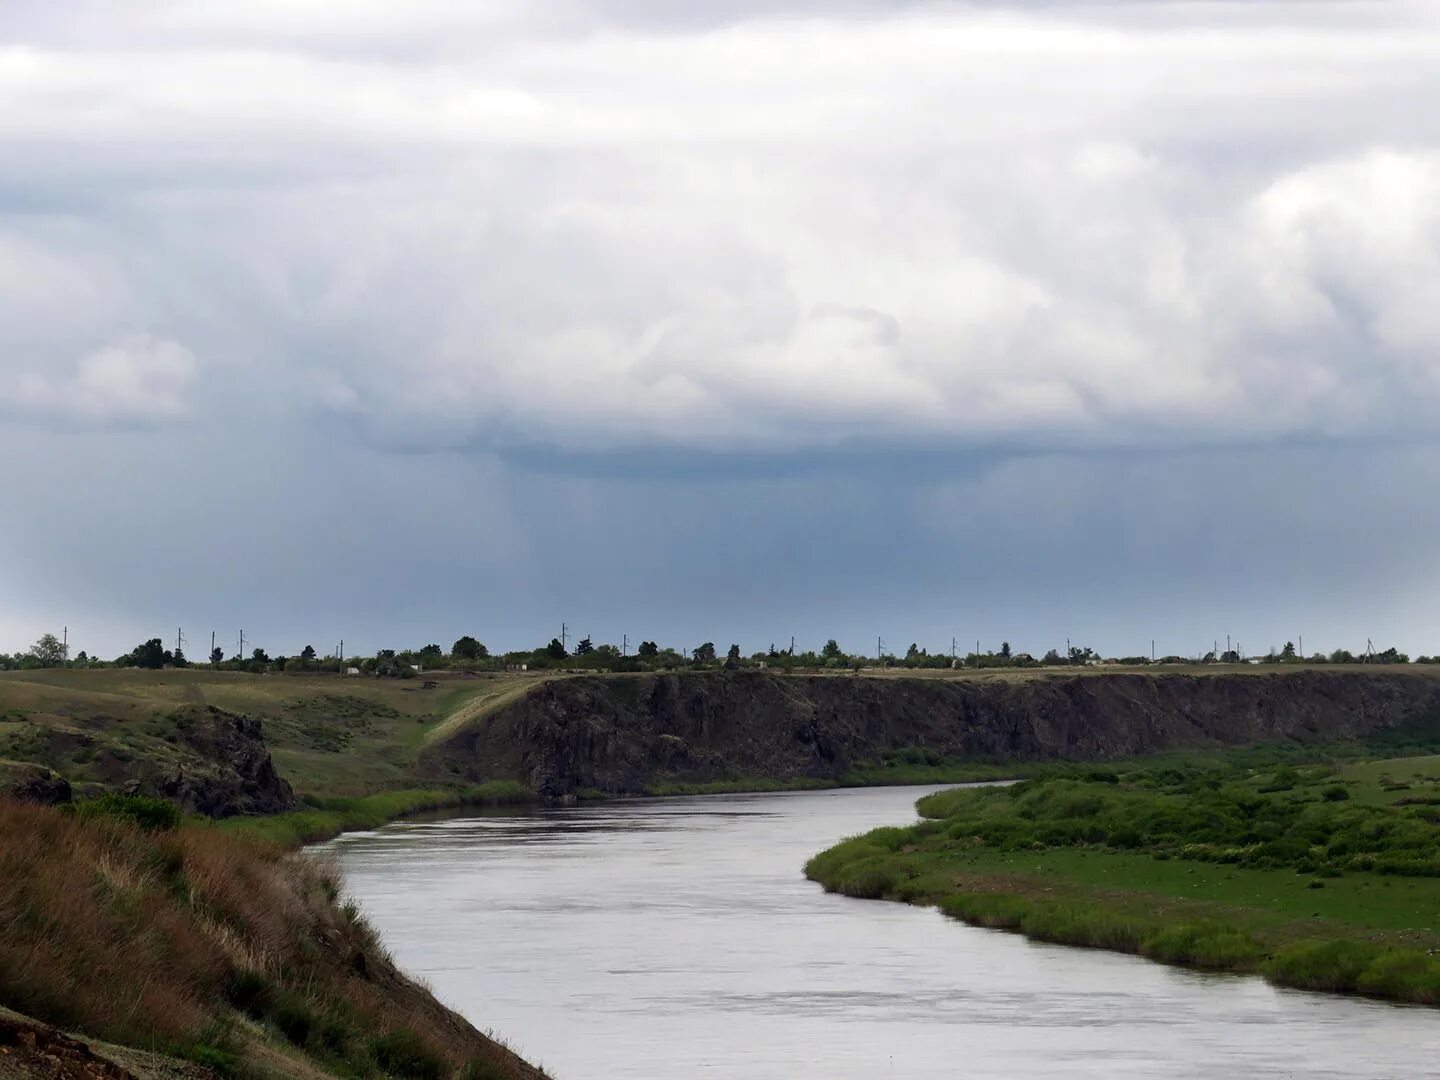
207 760
234 774
616 733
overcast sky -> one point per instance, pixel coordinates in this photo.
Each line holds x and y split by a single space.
1025 321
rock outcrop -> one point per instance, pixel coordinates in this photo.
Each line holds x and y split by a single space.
616 734
34 784
235 774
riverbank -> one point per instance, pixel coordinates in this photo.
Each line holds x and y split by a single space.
329 817
211 951
1318 878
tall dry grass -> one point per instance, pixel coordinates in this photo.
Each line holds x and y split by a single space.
202 943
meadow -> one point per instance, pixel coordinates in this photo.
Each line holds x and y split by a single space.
1320 876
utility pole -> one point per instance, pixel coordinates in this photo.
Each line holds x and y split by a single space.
564 631
1302 646
242 645
65 645
624 644
952 647
792 644
212 646
179 641
1069 652
1152 650
341 657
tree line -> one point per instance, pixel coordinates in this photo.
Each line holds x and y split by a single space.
468 653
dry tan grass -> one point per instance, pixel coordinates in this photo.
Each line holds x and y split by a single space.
142 938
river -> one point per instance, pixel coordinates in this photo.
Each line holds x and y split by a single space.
670 939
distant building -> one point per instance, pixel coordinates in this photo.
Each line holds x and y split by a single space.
352 671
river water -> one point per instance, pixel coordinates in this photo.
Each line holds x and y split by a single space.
675 938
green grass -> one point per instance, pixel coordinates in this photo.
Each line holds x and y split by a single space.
336 815
329 736
1227 867
738 785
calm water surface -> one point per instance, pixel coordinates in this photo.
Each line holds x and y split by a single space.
676 938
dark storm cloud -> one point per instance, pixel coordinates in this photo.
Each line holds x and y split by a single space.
1009 316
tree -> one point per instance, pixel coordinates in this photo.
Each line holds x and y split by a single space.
83 657
307 653
1230 656
467 648
584 647
913 653
1005 649
555 650
1051 658
150 654
217 655
705 654
260 656
734 653
48 652
648 649
431 652
1288 652
179 659
832 650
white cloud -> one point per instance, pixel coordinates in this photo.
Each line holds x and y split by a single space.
1071 225
136 380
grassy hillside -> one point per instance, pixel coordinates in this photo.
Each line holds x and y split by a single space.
1316 876
209 947
328 736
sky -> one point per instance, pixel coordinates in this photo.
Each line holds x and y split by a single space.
1024 321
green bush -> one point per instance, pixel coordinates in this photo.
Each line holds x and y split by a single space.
1204 945
1404 974
401 1053
152 815
1322 965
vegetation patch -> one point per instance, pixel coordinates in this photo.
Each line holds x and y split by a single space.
1213 866
201 943
329 817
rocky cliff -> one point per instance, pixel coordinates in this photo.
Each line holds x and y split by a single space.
231 771
618 733
207 760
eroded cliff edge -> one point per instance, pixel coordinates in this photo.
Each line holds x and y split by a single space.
618 734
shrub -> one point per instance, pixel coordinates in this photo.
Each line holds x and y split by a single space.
1204 945
152 815
401 1053
1324 965
1405 974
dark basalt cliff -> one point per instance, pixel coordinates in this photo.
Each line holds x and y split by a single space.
617 733
235 774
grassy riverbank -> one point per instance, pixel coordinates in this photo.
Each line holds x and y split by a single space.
213 949
1319 877
329 817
